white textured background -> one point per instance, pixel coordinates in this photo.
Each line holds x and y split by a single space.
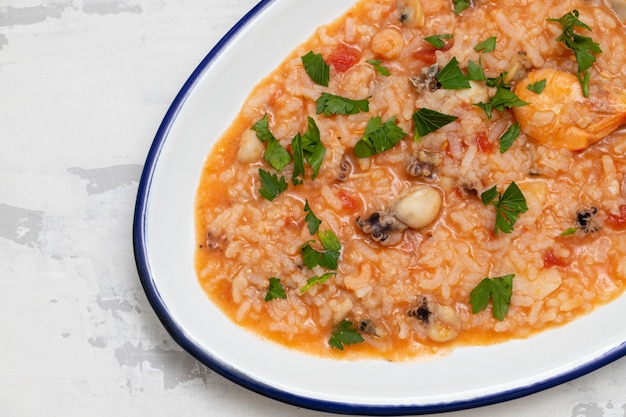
84 85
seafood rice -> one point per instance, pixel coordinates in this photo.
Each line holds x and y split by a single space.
419 176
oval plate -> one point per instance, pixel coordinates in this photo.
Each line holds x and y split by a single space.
164 242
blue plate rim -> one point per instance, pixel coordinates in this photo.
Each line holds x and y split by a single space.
184 341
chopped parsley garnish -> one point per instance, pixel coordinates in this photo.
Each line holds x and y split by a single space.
312 221
438 40
272 186
583 47
344 334
382 70
488 45
318 279
475 71
262 129
508 206
316 68
275 290
508 137
330 104
309 148
378 137
498 290
275 155
451 77
537 87
427 121
569 231
460 5
501 99
327 258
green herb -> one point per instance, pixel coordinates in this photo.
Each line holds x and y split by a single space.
427 121
508 137
327 258
488 45
378 67
378 137
451 77
498 81
272 186
275 290
275 155
508 206
583 47
475 71
537 87
460 5
438 40
503 98
344 334
331 104
316 68
262 129
583 79
312 221
569 231
318 279
498 290
309 148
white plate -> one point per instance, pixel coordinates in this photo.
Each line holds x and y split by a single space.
164 251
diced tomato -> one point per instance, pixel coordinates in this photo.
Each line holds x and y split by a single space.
550 259
618 221
482 141
343 57
426 55
347 201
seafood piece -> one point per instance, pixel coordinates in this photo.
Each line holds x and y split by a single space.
441 322
419 207
411 13
561 116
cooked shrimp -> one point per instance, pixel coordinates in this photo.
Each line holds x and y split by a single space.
388 43
562 117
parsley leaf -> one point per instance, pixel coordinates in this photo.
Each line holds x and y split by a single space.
569 231
501 99
451 77
508 206
427 121
378 137
316 68
318 279
378 67
327 258
272 186
312 221
309 148
262 129
438 40
537 87
488 45
344 334
583 47
331 104
475 71
508 137
498 290
460 5
275 155
275 290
